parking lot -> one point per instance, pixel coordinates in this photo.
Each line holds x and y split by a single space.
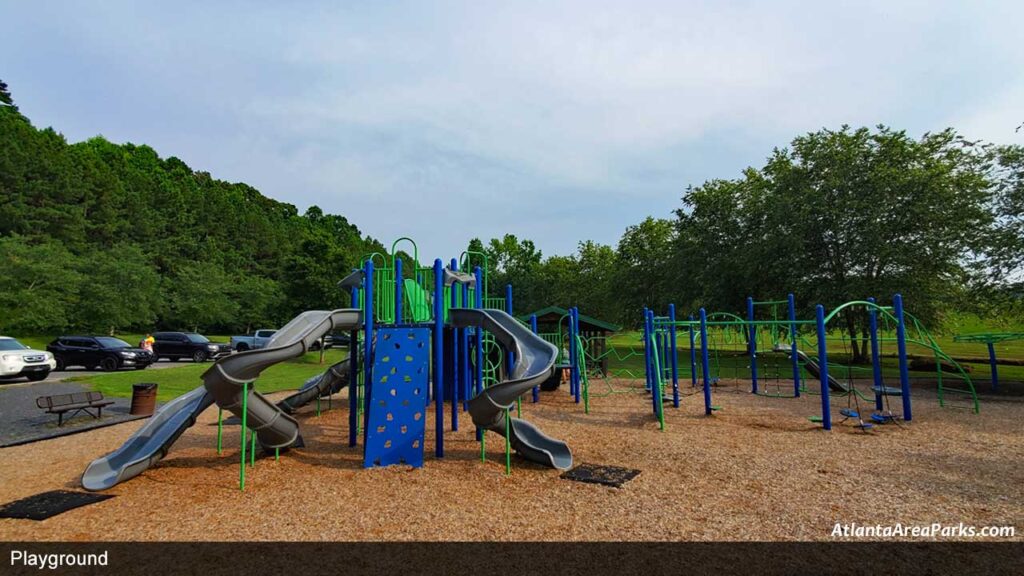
58 376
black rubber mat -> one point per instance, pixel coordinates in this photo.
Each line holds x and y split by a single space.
49 504
598 474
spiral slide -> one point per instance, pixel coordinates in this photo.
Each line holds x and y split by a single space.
224 383
535 361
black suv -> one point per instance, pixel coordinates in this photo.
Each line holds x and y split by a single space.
175 345
336 340
106 352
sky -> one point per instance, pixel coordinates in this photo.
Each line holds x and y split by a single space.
554 121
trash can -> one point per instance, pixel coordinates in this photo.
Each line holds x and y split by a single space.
143 399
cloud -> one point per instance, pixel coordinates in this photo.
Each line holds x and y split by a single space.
555 121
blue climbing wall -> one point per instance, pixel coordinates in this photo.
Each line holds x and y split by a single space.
398 397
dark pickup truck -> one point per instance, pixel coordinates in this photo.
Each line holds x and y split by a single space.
175 345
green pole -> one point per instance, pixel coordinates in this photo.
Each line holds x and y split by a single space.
318 406
277 454
220 431
252 451
245 422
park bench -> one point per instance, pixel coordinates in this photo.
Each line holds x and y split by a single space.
61 404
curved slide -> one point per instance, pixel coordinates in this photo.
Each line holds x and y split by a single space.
226 378
149 444
535 361
330 381
223 385
812 368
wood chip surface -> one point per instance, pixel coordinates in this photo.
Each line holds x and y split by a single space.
756 470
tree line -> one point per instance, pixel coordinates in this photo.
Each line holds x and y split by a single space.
838 215
105 237
96 236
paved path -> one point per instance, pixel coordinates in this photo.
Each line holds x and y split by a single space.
21 420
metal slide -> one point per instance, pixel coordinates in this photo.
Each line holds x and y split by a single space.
330 381
222 384
812 367
535 360
149 444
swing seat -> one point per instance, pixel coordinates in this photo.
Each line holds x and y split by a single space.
887 391
716 408
815 419
864 426
883 418
713 381
849 413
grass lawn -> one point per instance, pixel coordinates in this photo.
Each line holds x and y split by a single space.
627 360
176 381
1013 350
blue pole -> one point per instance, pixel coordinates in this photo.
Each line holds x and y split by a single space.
478 294
572 357
993 365
353 372
901 347
439 357
510 358
455 293
466 376
876 357
752 346
576 365
533 326
693 354
791 302
368 340
704 360
398 290
647 352
675 355
826 404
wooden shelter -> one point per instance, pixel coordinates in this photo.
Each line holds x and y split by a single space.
553 320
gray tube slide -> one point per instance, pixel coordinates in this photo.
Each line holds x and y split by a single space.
812 368
535 361
330 381
223 384
149 444
224 380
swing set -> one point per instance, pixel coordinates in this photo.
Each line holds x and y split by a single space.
758 346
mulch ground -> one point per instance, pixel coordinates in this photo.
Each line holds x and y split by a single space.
756 470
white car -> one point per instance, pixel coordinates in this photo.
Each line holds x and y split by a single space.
17 360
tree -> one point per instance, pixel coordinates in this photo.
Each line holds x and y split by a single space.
260 301
119 289
643 274
5 97
38 287
841 215
199 295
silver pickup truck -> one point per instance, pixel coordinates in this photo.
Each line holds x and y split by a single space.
258 340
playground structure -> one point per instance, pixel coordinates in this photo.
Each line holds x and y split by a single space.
586 355
721 336
990 339
417 335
